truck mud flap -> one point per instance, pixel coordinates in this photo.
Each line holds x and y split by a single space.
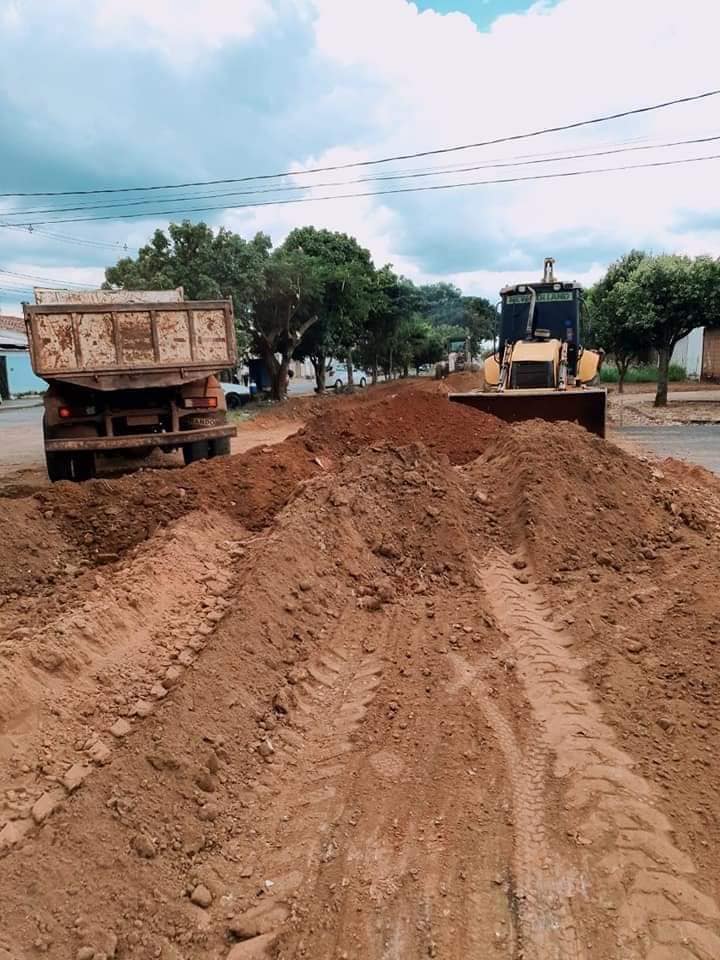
584 407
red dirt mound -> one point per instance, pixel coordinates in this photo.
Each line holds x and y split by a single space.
444 427
106 518
576 501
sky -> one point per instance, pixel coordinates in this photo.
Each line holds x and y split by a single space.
100 94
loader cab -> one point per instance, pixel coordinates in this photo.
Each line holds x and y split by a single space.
555 315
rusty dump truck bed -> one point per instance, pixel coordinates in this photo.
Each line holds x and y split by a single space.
110 346
583 406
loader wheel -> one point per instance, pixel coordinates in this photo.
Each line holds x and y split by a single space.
220 447
199 450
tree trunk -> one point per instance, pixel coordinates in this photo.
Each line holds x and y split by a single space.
405 371
280 381
319 362
623 367
375 370
278 373
349 364
663 369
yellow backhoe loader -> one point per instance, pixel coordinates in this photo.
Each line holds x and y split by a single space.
540 370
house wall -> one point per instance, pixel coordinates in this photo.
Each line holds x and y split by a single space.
688 353
21 379
711 355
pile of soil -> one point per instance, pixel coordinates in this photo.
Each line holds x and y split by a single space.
411 681
456 431
103 519
575 501
324 681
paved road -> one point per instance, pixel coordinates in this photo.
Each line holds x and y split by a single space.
697 443
21 444
20 438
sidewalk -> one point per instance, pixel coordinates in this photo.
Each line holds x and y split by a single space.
20 403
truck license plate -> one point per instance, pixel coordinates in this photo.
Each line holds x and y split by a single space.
203 422
147 420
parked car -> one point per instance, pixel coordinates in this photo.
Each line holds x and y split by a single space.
237 394
337 376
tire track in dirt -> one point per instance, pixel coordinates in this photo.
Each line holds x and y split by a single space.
634 864
412 858
331 695
542 884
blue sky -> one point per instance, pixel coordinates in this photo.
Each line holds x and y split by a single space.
482 12
123 93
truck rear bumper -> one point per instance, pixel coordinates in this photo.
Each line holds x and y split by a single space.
139 441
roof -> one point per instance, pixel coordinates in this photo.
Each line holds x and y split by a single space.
10 340
16 324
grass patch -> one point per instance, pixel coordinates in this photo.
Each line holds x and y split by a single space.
644 374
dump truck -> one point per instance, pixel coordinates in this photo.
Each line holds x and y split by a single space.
127 372
540 369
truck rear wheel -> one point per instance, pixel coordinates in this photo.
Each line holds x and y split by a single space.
59 466
83 466
199 450
220 447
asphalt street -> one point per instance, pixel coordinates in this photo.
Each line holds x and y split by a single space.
696 443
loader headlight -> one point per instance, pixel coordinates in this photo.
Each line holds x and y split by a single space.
557 286
522 288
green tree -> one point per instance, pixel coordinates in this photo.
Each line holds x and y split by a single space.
441 303
342 297
479 321
613 326
207 266
668 296
278 317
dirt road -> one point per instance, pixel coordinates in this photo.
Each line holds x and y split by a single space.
411 683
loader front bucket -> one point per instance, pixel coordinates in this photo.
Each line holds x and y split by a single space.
586 407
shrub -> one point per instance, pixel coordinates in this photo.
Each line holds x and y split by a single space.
644 374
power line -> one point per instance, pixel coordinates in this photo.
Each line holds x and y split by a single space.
395 190
29 276
369 163
32 230
384 178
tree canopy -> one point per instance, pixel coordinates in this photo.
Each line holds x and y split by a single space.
655 301
317 295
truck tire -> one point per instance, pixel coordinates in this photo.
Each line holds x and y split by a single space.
220 447
59 466
199 450
83 466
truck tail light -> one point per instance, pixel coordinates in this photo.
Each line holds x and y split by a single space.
65 413
190 402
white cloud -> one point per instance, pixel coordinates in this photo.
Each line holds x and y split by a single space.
11 302
10 17
372 223
446 82
488 283
429 80
180 29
